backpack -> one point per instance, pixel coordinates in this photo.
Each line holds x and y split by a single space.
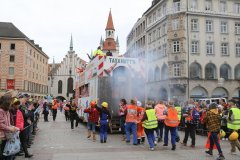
196 116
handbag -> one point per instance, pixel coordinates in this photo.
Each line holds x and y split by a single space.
13 145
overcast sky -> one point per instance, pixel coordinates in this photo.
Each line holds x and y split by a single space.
51 22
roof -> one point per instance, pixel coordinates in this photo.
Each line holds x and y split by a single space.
110 22
9 30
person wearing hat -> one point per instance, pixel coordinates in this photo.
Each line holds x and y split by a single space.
233 124
93 117
213 121
105 118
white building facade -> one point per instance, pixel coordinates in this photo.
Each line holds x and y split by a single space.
62 76
192 49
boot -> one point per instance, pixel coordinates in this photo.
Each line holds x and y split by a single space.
89 134
139 140
94 137
142 140
159 140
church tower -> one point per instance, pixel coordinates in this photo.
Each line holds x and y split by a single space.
109 43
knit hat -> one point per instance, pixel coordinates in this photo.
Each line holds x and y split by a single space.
213 106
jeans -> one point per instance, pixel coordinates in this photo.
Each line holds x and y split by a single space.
190 130
92 126
214 139
122 124
173 135
159 129
54 111
150 137
131 126
103 130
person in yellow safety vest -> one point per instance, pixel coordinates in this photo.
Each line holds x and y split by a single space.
234 124
179 110
98 52
150 123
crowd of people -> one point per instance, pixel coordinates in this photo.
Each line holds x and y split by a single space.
20 114
154 120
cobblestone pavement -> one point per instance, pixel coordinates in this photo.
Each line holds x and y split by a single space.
56 141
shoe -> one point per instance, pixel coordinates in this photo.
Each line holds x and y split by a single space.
223 139
173 147
151 149
165 144
142 140
20 154
193 146
105 141
155 143
177 139
28 156
101 141
209 152
127 141
139 140
221 157
135 144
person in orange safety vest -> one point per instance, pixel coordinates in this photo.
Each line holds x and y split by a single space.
140 128
55 106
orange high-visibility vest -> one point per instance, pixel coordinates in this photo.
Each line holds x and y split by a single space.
159 109
131 113
171 119
55 106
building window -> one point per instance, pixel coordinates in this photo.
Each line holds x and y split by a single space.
194 24
224 49
210 71
0 46
149 38
210 48
224 27
12 46
59 87
176 6
225 71
209 26
223 7
195 47
208 5
238 49
237 28
164 9
164 29
194 4
176 46
11 71
159 12
159 32
12 58
70 85
237 7
176 68
154 17
154 35
164 49
149 20
175 24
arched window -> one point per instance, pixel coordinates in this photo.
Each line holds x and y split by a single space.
157 74
70 85
225 71
164 72
195 71
237 72
210 71
59 87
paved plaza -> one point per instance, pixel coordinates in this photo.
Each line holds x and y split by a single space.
56 141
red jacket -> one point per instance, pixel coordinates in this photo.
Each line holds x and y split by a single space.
93 114
19 120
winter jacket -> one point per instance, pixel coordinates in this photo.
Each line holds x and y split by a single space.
5 125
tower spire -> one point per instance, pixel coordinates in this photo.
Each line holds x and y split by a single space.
71 44
53 64
110 25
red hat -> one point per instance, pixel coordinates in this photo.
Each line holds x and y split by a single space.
92 103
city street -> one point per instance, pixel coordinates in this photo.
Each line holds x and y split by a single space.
56 141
